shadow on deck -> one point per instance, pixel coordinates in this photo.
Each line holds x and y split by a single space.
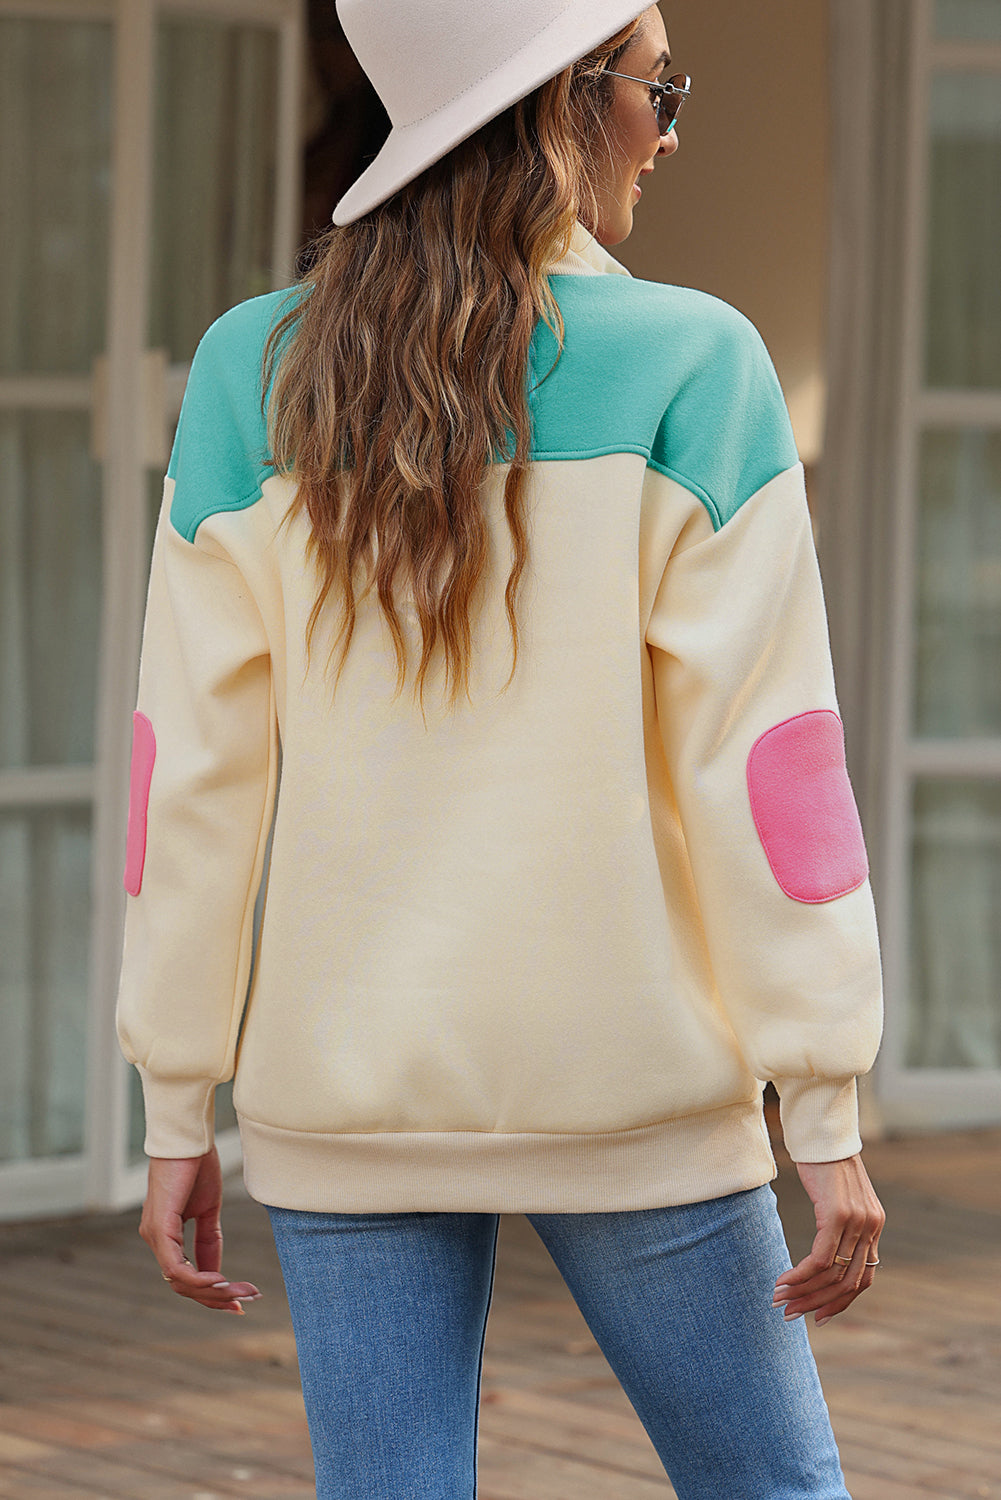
112 1387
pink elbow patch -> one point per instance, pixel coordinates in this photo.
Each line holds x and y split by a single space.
804 808
143 756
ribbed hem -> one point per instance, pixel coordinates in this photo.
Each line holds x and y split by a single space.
685 1160
181 1112
819 1118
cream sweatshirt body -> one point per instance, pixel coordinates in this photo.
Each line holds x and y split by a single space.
539 952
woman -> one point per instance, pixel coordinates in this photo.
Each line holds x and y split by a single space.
513 557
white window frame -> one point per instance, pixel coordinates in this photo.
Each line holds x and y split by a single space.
144 395
883 57
924 1097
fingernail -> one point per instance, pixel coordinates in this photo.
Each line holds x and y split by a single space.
821 1321
219 1284
238 1309
791 1316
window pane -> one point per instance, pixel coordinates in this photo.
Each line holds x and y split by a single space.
958 666
50 588
958 676
955 1019
968 20
44 959
963 347
215 163
55 130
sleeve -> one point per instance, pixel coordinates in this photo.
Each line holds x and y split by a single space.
750 727
204 770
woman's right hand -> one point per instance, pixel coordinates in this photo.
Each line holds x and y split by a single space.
850 1219
183 1188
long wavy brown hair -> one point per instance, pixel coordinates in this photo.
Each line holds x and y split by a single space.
400 371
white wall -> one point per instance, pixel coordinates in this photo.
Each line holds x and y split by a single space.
741 209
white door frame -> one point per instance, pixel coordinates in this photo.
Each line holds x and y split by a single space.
144 396
884 55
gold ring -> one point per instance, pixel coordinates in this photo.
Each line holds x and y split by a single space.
843 1260
166 1277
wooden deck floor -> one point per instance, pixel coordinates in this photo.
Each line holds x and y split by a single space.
111 1387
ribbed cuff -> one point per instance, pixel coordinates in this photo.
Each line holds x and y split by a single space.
180 1115
819 1117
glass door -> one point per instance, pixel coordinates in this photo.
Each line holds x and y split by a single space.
224 215
55 148
942 1056
152 148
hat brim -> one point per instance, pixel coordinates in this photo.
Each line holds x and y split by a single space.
410 149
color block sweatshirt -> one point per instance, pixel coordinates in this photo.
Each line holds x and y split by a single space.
541 951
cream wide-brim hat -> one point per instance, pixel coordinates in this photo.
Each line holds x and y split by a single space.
443 68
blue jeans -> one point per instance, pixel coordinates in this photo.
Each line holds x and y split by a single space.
390 1310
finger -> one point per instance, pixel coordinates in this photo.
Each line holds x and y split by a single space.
165 1238
211 1290
845 1259
803 1298
833 1296
813 1273
819 1303
188 1281
872 1260
217 1291
830 1310
824 1284
227 1297
220 1297
170 1257
208 1242
817 1262
834 1250
848 1284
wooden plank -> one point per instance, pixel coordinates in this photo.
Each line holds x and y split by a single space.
54 1427
131 1477
955 1455
927 1478
867 1487
522 1471
933 1412
21 1450
235 1429
20 1485
612 1439
110 1387
99 1477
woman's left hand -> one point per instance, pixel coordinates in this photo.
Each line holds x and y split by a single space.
183 1188
842 1261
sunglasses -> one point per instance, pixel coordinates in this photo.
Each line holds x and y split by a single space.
667 98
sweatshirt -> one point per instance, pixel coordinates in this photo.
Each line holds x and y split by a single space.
538 952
